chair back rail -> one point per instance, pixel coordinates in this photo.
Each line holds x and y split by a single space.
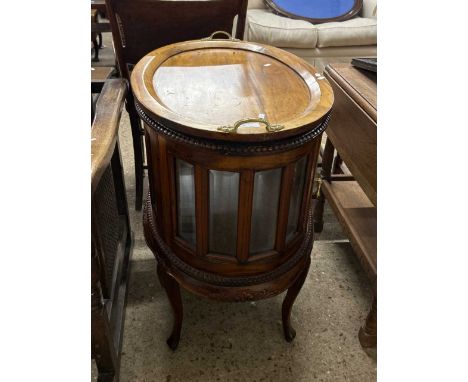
140 26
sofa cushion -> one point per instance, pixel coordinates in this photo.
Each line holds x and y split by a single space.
268 28
357 31
256 4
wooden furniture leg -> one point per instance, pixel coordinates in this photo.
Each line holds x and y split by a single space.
337 163
96 49
137 136
368 332
327 162
173 293
293 291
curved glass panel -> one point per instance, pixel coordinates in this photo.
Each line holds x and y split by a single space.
185 184
297 191
265 210
224 195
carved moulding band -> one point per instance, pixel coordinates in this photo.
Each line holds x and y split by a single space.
237 148
151 232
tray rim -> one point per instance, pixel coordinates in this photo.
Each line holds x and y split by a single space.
142 86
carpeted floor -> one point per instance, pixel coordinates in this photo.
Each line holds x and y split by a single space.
244 341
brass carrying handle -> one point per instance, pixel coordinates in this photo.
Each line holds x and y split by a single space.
228 35
233 129
319 182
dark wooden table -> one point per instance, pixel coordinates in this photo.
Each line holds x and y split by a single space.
352 195
98 7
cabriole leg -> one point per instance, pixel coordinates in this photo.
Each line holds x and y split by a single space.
293 291
173 293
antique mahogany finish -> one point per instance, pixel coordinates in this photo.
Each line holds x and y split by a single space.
139 26
316 11
353 196
229 214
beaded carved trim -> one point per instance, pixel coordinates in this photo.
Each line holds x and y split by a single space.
151 232
238 148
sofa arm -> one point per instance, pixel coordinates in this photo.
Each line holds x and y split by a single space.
257 4
369 8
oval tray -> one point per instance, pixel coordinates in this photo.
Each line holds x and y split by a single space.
200 87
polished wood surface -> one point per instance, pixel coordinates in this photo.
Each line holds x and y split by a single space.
221 86
353 127
359 84
202 85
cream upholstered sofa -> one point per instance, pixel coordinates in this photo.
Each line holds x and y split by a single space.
318 44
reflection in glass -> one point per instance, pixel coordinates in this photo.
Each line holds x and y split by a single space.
265 210
185 181
224 195
297 191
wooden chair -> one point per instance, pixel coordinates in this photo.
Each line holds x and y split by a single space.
111 236
140 26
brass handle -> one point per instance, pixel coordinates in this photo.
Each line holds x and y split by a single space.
211 37
233 129
319 182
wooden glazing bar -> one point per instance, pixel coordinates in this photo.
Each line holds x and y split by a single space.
246 188
152 154
201 209
283 212
171 163
149 159
165 184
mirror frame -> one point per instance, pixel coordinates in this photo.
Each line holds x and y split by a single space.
346 16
